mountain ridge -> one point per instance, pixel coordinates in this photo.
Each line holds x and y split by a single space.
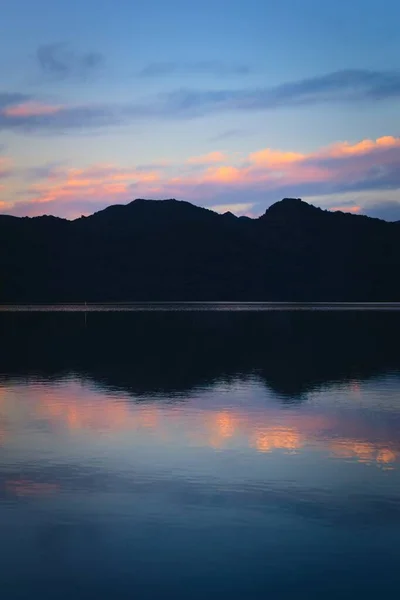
173 250
284 204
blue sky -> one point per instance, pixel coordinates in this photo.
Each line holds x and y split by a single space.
229 104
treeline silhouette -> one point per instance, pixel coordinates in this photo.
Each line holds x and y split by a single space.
146 354
170 250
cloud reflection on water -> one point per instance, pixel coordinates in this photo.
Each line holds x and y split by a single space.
85 410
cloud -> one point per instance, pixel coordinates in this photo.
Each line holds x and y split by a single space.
210 158
5 166
31 109
272 158
59 61
382 204
47 171
72 192
363 147
348 86
358 177
9 99
26 113
42 117
210 67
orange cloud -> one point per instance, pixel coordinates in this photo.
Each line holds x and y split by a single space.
275 158
205 159
93 183
31 109
342 149
325 171
224 175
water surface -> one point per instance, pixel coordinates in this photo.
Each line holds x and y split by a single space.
200 306
210 455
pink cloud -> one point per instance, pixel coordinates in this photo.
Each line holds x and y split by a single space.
264 176
226 175
31 109
275 158
343 149
65 191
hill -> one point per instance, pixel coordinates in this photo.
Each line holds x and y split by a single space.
172 250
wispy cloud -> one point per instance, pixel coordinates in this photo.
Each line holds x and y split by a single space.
22 112
347 86
210 67
343 176
42 117
342 86
60 61
71 192
46 171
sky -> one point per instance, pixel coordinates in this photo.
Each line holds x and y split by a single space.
228 104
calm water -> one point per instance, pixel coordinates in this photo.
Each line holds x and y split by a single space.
200 306
200 455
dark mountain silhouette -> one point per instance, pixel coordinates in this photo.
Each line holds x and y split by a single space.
170 250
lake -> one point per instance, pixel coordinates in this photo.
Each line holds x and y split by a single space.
237 453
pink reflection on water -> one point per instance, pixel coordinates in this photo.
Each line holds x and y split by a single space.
83 410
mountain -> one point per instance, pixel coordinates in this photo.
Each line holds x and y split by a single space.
172 250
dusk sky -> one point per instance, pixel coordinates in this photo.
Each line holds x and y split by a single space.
229 104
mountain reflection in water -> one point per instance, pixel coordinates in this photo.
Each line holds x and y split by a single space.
199 455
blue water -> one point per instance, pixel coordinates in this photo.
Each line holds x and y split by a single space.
198 473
